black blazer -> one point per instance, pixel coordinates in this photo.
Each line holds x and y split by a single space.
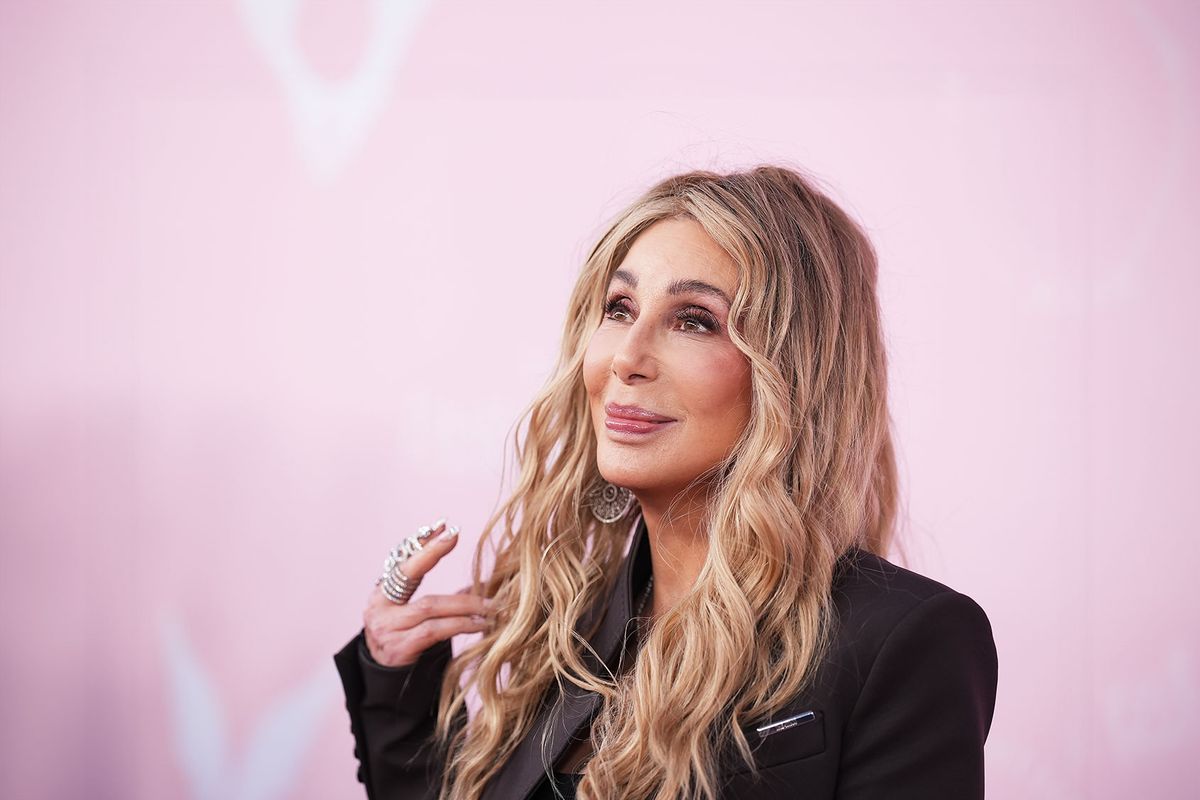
900 708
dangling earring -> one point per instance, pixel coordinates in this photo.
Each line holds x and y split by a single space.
609 502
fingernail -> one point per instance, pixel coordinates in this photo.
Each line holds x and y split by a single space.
478 619
439 523
489 602
449 533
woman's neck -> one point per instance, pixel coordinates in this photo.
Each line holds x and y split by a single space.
678 546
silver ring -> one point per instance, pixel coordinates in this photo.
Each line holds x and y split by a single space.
395 585
398 591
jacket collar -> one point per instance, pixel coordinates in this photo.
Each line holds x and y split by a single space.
569 710
617 609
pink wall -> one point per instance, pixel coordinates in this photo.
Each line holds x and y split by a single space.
277 277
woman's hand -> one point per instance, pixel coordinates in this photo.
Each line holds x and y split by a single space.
397 634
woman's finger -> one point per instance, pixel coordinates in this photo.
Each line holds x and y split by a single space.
388 615
401 648
438 629
439 544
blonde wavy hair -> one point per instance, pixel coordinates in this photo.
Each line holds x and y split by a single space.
812 475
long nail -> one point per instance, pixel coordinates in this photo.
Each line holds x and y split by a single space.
439 523
449 533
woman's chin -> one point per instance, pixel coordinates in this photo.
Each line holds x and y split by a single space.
635 480
621 475
642 472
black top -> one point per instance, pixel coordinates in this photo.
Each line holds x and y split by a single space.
899 709
562 787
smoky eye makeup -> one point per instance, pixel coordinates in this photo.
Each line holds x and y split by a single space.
692 314
699 316
614 304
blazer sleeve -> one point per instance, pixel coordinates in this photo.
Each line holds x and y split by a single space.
393 714
920 722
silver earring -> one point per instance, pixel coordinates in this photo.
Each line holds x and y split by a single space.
609 502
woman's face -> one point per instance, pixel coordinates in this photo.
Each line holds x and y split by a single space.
668 392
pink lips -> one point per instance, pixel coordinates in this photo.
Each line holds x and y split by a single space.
634 419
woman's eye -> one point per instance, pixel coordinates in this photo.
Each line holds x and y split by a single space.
703 321
615 306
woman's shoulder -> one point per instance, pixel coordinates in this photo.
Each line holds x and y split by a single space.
862 571
874 597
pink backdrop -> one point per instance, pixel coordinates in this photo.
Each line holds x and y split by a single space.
277 277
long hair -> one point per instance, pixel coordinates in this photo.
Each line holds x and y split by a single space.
812 475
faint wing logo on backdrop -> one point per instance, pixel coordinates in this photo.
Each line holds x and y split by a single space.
331 118
281 739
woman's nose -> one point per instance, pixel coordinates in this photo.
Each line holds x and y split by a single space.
635 357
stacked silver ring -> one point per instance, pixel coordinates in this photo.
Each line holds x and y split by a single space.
395 585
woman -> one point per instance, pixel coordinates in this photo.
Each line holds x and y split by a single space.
722 391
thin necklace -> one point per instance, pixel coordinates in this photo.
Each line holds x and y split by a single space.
645 597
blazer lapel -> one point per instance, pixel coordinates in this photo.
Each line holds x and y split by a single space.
569 711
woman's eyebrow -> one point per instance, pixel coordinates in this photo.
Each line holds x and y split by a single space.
682 286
